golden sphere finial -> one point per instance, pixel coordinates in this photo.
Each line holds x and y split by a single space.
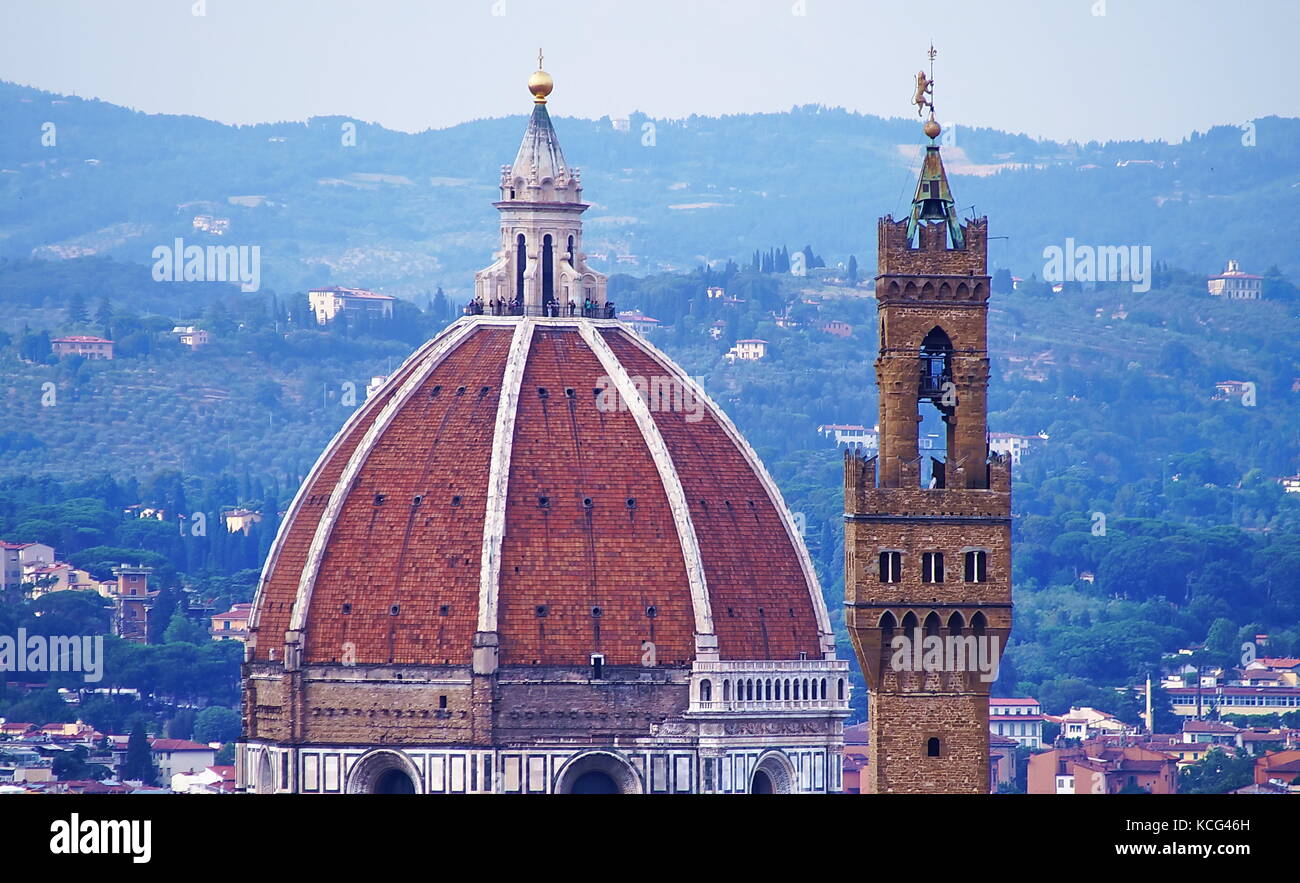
932 128
540 83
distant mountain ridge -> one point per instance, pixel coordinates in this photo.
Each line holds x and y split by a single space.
406 212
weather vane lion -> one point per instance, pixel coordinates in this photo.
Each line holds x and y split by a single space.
924 87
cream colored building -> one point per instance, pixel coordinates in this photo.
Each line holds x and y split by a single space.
1233 284
17 558
238 520
328 303
83 345
57 577
1010 444
747 350
233 624
640 322
1018 719
1088 723
191 336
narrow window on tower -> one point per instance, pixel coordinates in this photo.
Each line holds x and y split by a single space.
521 261
597 666
891 567
548 270
977 566
932 747
932 567
706 690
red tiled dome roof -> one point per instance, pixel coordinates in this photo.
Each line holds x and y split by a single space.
567 516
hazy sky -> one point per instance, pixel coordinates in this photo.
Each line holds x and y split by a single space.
1053 68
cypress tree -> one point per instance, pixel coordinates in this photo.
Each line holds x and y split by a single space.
139 759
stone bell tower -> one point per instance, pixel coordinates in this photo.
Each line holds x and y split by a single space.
928 520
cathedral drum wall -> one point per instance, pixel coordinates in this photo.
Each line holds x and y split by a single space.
540 707
388 713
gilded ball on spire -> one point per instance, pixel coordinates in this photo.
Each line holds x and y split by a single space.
540 84
932 128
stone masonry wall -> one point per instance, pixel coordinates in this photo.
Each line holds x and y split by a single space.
901 726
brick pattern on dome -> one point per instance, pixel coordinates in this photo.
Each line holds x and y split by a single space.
281 589
410 569
562 562
762 608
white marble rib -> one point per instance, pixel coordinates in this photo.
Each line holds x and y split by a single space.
494 526
671 482
343 487
805 562
295 507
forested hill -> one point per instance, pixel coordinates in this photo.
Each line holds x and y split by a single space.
405 212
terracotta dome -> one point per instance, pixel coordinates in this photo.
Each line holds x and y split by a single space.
539 560
560 483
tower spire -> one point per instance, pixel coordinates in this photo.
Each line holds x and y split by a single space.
933 200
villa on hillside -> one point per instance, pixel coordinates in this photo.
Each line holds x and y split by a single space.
747 351
190 336
640 322
1233 284
82 345
328 303
233 624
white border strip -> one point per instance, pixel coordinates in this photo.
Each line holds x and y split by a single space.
668 476
810 573
343 487
296 506
503 442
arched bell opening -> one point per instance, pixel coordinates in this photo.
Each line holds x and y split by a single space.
936 402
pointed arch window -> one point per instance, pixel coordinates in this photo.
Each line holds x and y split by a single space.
548 270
